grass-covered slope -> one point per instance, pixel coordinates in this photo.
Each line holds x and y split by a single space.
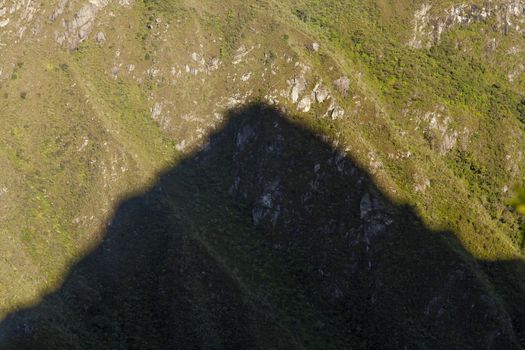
97 98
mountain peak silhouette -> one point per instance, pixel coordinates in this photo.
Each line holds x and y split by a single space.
269 238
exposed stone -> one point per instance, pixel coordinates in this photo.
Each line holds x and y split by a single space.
244 135
375 163
438 132
421 19
181 146
334 111
314 47
246 77
214 64
268 205
79 27
374 218
342 85
512 75
430 23
298 86
321 93
59 10
365 205
198 58
305 104
241 54
421 184
156 111
100 37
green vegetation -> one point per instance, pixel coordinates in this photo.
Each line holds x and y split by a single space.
519 201
519 205
437 133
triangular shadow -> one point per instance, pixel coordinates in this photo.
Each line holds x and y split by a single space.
269 238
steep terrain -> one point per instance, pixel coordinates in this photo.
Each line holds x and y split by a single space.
261 174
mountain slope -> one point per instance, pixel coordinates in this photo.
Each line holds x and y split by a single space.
226 251
100 98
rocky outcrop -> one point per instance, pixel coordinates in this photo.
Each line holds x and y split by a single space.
59 10
16 17
78 27
438 131
342 85
430 22
298 86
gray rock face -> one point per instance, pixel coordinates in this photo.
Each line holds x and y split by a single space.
365 206
430 24
59 10
156 111
314 47
374 218
244 135
198 58
438 132
214 63
334 111
298 86
78 28
100 38
305 104
268 205
83 21
18 17
342 85
448 142
321 93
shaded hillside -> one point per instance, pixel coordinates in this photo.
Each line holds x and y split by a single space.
266 238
